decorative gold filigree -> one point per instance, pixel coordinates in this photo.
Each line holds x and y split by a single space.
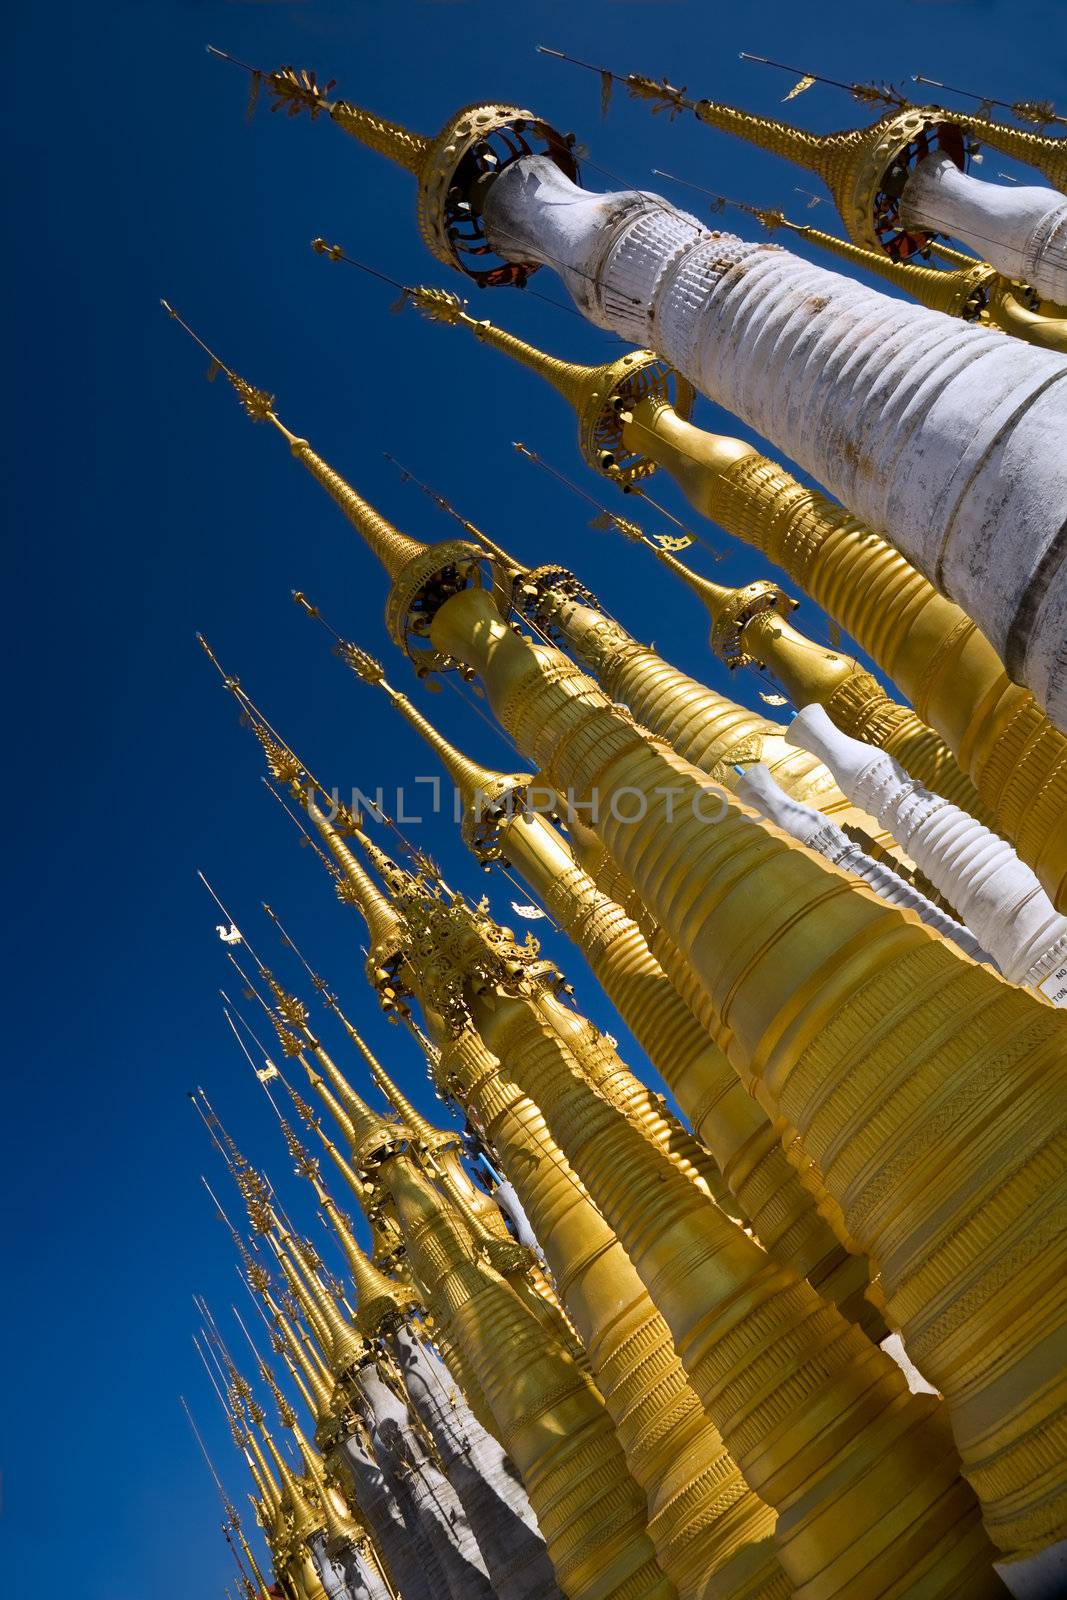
293 1010
664 95
281 762
258 403
305 1164
361 663
439 305
259 1214
258 1276
297 91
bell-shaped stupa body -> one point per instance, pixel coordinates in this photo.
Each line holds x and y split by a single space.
499 821
921 1007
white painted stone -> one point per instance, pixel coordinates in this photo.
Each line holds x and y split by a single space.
944 437
894 1346
994 892
484 1478
416 1579
1042 1577
758 788
511 1206
439 1518
1020 229
333 1574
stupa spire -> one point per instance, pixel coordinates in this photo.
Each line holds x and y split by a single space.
243 1410
286 768
422 575
477 141
864 168
304 1309
391 547
596 394
379 1300
345 1347
388 1244
233 1521
299 90
441 1145
338 1339
476 784
294 1497
309 1373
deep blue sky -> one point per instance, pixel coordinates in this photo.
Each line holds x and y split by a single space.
145 507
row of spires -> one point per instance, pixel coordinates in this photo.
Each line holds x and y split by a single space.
285 766
755 1288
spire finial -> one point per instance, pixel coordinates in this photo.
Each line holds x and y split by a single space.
297 89
395 550
258 404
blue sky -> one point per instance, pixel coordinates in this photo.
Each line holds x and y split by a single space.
145 506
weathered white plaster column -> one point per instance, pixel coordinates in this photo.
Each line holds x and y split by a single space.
995 893
332 1572
1021 230
355 1460
510 1204
757 788
362 1575
944 437
487 1484
440 1518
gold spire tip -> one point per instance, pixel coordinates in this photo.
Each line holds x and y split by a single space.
228 681
258 404
362 663
334 252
